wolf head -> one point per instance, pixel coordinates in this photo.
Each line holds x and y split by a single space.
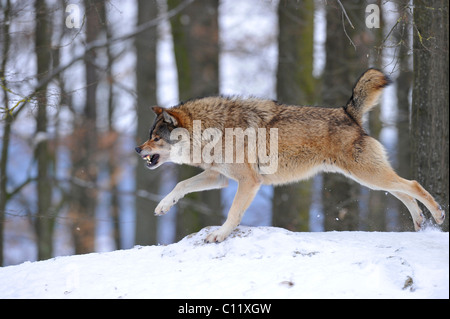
157 149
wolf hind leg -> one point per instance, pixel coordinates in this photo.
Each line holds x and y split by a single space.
374 171
414 209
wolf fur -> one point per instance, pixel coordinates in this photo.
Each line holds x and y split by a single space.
310 140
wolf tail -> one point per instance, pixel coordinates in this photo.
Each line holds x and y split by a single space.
366 92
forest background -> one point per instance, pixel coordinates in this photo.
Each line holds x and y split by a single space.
78 77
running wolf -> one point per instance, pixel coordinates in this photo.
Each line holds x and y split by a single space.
308 140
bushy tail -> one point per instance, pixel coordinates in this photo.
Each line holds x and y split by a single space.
366 92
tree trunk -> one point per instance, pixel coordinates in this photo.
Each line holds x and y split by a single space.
344 63
295 85
145 43
196 44
44 221
84 155
8 119
430 114
113 164
404 84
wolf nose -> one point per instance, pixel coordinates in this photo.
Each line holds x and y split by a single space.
138 150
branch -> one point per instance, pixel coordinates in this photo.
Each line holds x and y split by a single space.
345 31
19 188
99 44
345 13
184 202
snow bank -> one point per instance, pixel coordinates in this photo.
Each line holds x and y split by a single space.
254 262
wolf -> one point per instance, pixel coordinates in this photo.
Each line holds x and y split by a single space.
309 140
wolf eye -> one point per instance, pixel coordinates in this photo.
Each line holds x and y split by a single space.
156 139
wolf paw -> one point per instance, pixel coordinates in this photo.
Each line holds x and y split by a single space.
440 216
165 205
217 236
419 222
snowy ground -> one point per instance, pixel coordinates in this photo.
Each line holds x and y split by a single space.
255 262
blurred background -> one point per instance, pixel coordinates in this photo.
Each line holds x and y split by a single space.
78 79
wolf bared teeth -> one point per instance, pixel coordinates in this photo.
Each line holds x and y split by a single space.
147 158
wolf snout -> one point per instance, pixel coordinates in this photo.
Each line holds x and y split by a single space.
138 149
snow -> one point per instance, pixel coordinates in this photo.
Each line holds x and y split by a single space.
254 262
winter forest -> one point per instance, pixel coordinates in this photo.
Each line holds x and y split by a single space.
78 80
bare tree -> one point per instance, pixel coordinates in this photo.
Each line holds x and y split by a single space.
44 223
145 43
8 119
403 49
430 114
295 85
196 43
84 151
111 141
346 58
77 191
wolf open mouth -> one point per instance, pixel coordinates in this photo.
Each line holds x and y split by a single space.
151 160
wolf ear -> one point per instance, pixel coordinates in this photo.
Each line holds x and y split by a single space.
168 118
158 110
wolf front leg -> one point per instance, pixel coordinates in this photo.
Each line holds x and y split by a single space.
204 181
246 191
